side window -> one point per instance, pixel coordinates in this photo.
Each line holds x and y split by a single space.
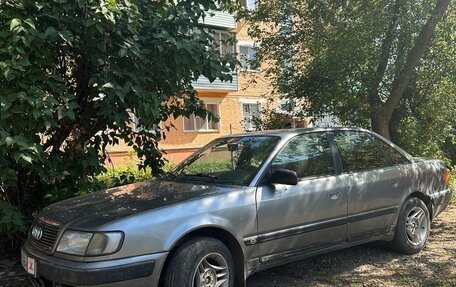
307 155
394 156
359 151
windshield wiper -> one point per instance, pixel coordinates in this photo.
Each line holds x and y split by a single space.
212 177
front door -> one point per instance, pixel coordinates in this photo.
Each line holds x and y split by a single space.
310 215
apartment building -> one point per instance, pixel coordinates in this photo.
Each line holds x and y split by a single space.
236 103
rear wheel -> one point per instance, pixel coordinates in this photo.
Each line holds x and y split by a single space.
201 262
413 227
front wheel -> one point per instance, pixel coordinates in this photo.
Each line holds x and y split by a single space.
413 227
200 262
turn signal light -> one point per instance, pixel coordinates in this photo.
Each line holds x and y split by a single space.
446 176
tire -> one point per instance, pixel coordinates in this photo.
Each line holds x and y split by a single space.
412 228
201 258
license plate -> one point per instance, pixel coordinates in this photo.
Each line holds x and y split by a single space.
28 263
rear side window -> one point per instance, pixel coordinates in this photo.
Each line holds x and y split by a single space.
307 155
393 155
359 151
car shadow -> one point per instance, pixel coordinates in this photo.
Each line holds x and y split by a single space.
372 264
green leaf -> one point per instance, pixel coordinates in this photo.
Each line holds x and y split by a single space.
8 73
61 114
9 141
50 31
30 23
112 3
99 28
14 24
16 109
24 62
108 86
26 158
123 52
66 36
70 114
36 114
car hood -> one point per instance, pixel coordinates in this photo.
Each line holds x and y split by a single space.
95 209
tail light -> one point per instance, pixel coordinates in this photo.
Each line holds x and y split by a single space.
446 176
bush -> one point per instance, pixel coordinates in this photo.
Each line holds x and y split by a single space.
12 225
72 73
209 167
119 176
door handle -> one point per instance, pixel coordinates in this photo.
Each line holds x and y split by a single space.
395 185
334 195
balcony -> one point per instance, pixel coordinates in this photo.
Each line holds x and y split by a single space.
203 84
220 19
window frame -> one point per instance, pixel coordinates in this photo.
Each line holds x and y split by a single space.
394 148
339 156
252 102
248 45
207 120
304 178
245 5
217 36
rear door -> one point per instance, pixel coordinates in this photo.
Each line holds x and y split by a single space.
307 216
375 182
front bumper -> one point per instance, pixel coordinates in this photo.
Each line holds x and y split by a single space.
133 271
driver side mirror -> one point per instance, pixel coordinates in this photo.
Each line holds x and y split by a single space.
284 176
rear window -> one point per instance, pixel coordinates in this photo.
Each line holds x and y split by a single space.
393 155
359 151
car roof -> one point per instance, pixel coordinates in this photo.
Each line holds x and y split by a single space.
289 132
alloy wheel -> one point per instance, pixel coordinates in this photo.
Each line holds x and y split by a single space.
416 226
212 271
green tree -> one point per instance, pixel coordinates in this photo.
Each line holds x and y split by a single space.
73 72
357 60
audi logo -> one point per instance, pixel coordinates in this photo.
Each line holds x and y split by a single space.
37 232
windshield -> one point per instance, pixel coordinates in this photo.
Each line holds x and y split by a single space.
228 161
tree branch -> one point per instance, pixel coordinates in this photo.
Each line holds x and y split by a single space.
414 56
385 52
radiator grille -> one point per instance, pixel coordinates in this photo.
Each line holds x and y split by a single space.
48 236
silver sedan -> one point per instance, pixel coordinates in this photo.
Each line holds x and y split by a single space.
241 204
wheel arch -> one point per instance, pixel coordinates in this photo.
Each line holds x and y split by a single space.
224 236
427 201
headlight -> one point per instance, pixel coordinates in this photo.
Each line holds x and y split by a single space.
88 243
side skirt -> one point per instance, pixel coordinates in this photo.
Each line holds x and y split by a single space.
270 261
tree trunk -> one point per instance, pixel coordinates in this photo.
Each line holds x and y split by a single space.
380 125
380 121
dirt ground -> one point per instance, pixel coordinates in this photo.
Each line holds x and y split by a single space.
366 265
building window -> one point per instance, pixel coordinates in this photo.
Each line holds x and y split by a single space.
225 42
249 4
247 57
250 116
195 123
